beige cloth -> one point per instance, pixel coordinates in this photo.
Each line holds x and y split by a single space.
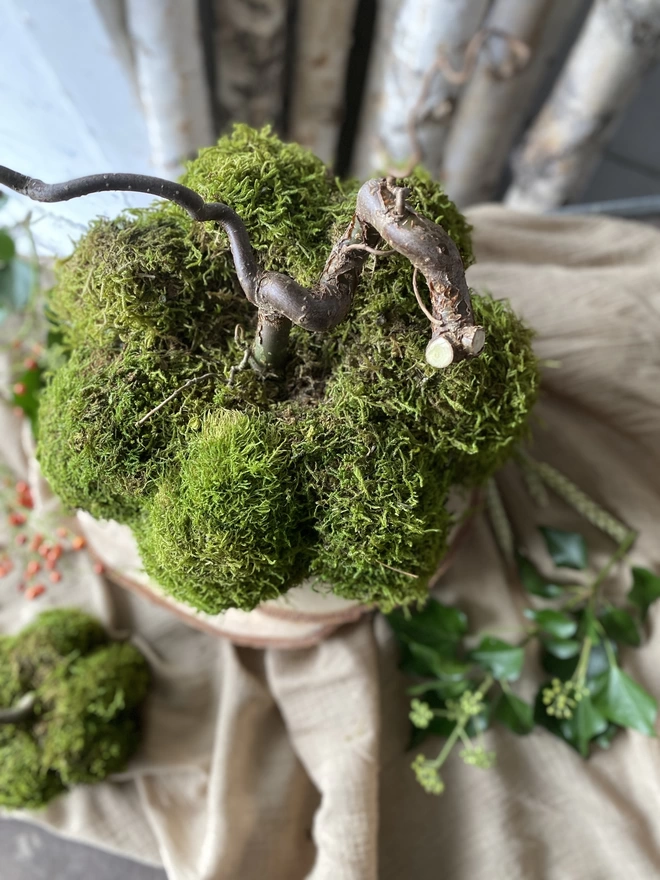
285 765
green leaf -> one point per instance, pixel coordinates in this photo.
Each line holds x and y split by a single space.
533 581
435 625
567 549
605 738
28 401
563 649
626 703
16 282
424 661
438 727
620 626
502 660
514 713
7 248
585 724
555 623
645 589
563 668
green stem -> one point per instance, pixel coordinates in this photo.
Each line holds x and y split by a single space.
580 673
449 745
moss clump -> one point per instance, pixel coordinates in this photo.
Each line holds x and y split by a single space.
226 527
84 724
340 468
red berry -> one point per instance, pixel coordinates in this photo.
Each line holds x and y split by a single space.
16 519
19 389
62 532
21 539
36 542
43 550
51 564
22 487
32 568
55 577
55 552
33 592
25 500
99 568
78 542
30 364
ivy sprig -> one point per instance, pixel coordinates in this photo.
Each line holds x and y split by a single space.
462 689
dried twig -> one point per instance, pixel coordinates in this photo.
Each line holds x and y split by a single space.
172 396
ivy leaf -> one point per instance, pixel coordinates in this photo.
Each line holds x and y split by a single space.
645 589
7 248
626 703
502 660
604 740
563 649
533 581
620 626
563 668
555 623
567 549
424 661
586 723
514 713
437 626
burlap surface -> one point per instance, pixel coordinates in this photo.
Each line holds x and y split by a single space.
292 764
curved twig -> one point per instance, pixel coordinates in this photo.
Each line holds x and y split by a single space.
380 212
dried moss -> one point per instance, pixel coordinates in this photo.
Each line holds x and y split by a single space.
85 722
341 467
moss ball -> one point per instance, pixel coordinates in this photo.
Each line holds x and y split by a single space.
239 485
85 722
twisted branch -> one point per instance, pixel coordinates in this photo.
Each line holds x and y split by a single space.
381 212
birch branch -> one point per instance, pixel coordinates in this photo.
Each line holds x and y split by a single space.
618 44
171 80
492 108
251 41
428 43
323 42
364 163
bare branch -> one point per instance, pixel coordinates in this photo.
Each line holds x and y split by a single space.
21 711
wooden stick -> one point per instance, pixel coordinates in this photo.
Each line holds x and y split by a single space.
251 43
428 35
618 44
323 42
492 108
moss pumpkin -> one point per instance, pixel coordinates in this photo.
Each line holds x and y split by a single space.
339 467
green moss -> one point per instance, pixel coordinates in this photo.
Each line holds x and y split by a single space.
197 539
85 722
341 467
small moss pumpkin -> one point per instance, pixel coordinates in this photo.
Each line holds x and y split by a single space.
84 724
241 485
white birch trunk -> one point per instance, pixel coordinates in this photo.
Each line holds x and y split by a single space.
251 42
171 79
492 108
618 44
364 163
323 43
415 92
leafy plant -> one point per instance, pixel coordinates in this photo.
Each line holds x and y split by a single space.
587 697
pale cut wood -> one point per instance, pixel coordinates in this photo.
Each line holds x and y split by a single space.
171 79
251 44
428 40
493 106
366 142
618 44
323 42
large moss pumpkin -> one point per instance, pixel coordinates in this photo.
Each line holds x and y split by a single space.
242 484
